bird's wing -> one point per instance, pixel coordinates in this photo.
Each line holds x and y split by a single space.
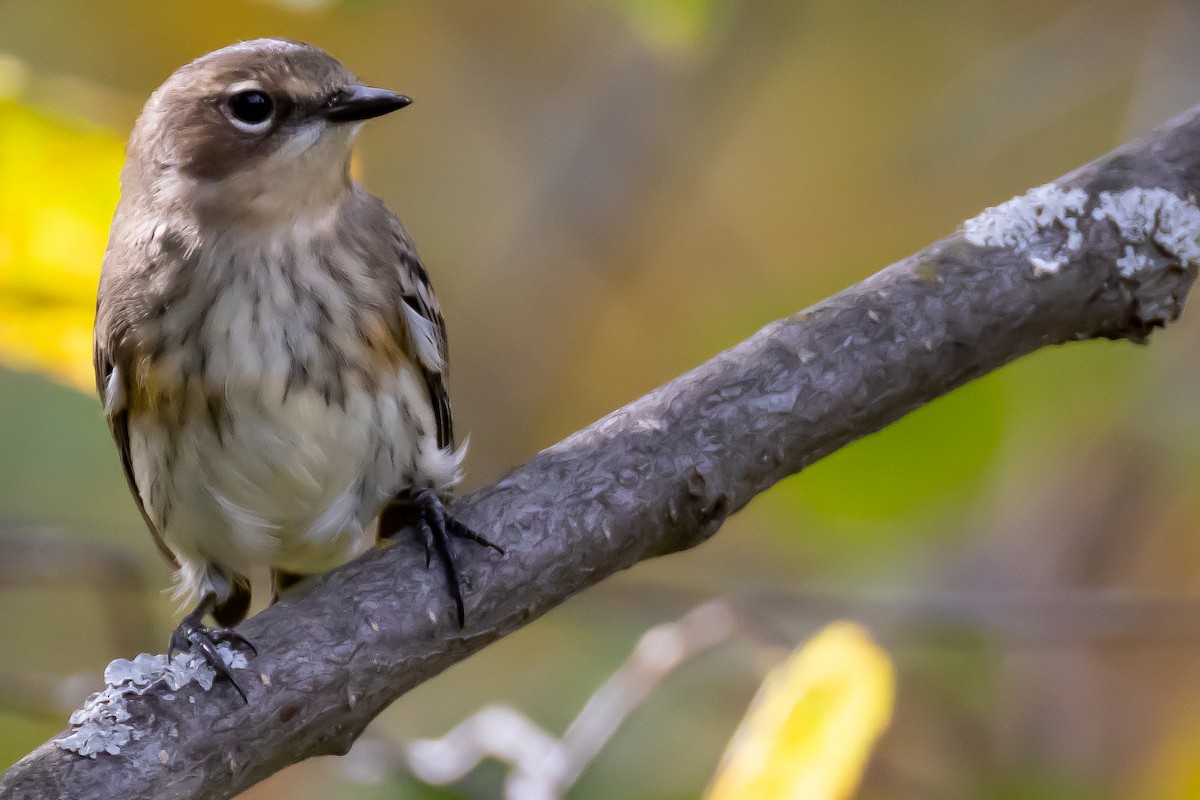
113 386
426 331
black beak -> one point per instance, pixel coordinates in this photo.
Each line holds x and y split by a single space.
357 103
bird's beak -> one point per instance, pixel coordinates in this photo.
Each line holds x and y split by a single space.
356 103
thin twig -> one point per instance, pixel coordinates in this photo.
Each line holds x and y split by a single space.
543 767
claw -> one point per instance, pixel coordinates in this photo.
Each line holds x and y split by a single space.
437 527
232 637
193 636
426 540
459 529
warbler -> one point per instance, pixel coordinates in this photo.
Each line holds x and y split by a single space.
268 347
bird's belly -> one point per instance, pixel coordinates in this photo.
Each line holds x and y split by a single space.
292 483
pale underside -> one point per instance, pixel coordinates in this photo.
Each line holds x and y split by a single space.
291 485
286 476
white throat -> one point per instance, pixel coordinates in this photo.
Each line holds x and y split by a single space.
301 181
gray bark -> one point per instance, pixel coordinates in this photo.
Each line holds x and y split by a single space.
657 476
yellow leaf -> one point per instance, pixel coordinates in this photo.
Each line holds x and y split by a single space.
809 732
58 188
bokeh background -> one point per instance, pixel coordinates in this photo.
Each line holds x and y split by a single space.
606 193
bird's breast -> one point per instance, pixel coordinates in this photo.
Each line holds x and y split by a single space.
279 313
276 437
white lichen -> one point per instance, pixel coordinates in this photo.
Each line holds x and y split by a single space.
102 724
1020 221
1143 217
1021 224
1132 261
1043 266
1152 215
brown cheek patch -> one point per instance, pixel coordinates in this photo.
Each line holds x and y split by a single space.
214 149
209 144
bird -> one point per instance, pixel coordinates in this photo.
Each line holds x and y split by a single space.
269 351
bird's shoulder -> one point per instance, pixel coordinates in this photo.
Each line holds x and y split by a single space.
146 281
397 265
115 358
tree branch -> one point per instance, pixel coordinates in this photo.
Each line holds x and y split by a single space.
662 474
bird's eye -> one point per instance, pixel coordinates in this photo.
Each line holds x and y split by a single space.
251 110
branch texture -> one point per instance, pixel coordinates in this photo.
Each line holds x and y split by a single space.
1109 250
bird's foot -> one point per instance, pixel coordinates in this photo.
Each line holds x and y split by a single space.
193 636
437 527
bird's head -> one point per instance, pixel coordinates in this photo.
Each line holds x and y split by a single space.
259 132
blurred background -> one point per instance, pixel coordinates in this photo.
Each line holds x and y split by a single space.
608 192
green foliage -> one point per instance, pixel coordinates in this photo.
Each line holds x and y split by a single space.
1034 784
21 732
876 493
937 452
671 24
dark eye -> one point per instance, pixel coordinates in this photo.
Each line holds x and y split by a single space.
251 110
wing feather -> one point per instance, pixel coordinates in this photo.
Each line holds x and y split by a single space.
112 384
426 332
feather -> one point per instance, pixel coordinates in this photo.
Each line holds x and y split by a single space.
111 383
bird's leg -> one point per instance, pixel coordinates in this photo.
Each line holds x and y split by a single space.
436 527
193 635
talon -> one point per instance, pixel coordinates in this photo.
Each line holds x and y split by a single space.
232 637
459 529
193 636
437 527
426 540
